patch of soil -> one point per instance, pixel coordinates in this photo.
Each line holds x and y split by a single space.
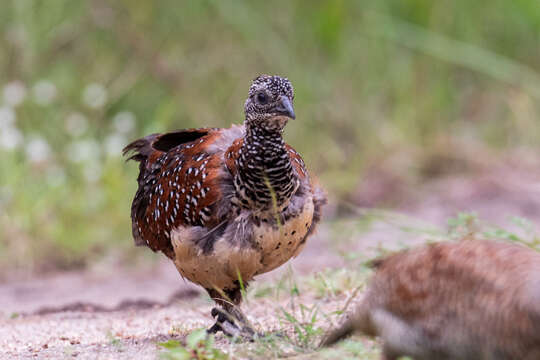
125 305
493 188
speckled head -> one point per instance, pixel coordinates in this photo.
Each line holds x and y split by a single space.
270 102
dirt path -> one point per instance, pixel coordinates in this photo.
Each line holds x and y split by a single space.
124 313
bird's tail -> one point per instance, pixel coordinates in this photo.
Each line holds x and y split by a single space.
156 144
140 149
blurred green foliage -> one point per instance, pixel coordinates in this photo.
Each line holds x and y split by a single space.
79 79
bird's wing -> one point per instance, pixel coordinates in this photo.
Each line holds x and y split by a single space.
180 183
298 163
308 184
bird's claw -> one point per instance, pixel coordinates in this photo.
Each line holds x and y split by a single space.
233 325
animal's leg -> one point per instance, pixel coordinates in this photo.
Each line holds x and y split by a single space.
226 323
229 319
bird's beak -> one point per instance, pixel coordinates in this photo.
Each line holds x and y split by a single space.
285 107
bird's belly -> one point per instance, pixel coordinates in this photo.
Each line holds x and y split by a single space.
279 243
219 269
271 246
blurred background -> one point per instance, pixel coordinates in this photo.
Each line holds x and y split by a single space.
425 107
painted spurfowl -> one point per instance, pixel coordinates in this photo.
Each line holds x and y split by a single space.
227 204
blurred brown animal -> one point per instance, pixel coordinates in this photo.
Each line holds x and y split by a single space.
470 300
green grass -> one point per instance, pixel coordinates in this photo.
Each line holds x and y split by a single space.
199 346
518 230
372 79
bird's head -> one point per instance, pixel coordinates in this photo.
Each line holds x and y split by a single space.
270 103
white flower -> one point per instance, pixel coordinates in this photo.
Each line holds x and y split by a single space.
76 124
38 150
7 117
83 151
10 137
95 95
44 92
14 93
124 121
114 144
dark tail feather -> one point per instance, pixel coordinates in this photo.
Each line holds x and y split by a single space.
143 148
140 149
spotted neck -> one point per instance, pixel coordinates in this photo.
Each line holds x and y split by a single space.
265 179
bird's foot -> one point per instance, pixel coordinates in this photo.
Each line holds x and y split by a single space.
233 324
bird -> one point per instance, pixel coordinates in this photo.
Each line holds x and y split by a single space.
466 300
227 204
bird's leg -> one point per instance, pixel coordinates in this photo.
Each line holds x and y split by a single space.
232 323
223 323
229 319
217 326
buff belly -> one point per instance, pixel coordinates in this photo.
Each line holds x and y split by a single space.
273 245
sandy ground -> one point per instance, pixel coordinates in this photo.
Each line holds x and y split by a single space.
115 313
120 314
123 313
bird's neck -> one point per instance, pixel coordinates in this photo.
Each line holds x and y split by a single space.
265 178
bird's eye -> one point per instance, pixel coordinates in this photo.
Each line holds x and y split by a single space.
262 98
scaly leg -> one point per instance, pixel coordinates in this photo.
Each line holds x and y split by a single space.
232 323
229 319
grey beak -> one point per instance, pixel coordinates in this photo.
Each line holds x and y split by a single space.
285 107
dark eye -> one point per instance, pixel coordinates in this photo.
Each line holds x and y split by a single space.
262 98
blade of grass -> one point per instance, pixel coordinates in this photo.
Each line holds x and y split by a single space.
457 52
